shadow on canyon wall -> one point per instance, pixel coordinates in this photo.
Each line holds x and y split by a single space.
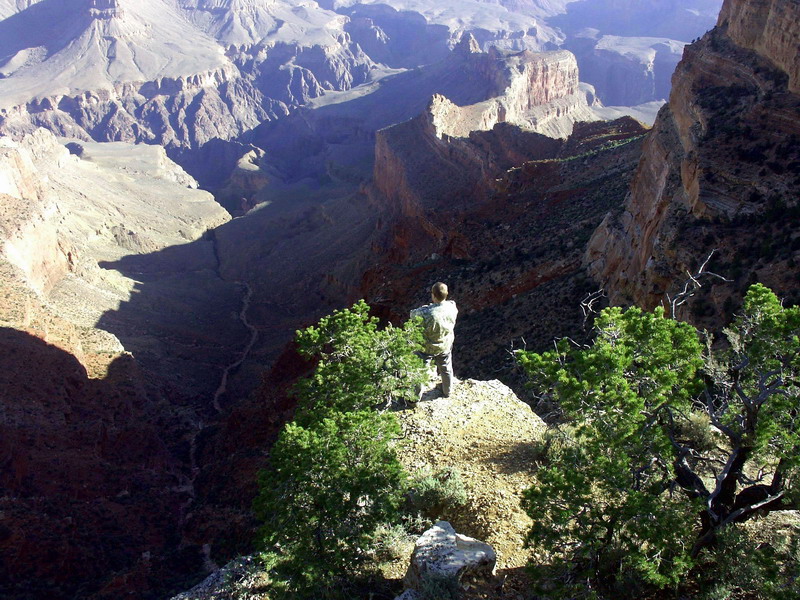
135 483
95 479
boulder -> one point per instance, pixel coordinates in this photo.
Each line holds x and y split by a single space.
443 554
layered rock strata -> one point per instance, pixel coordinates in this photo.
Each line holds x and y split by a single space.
185 75
768 27
720 170
503 216
334 143
628 71
107 369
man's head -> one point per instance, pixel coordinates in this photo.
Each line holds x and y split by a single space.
439 292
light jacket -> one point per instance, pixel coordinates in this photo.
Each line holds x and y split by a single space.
439 320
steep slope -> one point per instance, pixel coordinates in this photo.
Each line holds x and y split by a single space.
106 375
331 141
183 74
199 76
154 72
628 49
508 235
506 226
508 24
627 71
721 169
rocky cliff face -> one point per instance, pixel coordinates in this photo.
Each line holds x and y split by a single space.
155 73
720 169
331 143
627 71
199 77
106 375
770 28
187 74
503 216
433 160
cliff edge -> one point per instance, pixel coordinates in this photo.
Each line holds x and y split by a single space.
720 170
482 430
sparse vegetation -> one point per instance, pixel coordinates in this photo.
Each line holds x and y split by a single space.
437 493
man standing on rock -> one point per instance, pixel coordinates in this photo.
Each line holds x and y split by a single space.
439 320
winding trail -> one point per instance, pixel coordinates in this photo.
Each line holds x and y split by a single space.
223 384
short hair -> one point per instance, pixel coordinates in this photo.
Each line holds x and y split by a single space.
439 291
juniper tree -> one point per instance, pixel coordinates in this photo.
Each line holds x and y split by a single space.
631 490
359 365
331 485
335 476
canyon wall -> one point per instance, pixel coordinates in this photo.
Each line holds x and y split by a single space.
503 216
720 170
627 71
770 28
433 161
115 329
190 75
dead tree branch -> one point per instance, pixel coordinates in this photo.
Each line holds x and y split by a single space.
691 285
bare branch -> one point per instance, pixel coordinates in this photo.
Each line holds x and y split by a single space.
734 437
588 304
693 284
742 513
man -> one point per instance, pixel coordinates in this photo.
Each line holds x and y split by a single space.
439 320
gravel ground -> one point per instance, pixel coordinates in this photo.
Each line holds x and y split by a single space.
493 439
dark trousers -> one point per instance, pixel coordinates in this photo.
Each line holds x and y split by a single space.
444 366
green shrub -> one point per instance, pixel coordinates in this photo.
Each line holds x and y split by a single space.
359 365
628 501
331 485
335 480
737 567
438 493
438 587
391 542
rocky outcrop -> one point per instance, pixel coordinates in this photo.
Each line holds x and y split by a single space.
770 28
449 558
537 91
719 166
150 72
244 182
441 156
487 434
335 141
48 218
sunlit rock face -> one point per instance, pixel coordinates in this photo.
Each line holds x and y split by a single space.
536 91
721 169
185 73
200 76
770 28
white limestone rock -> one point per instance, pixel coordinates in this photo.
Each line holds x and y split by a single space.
442 553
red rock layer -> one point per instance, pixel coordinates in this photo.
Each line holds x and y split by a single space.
720 170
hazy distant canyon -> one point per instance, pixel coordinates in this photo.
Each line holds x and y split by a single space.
202 77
